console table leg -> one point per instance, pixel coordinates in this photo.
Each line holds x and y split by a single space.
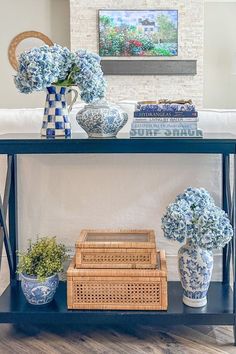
233 246
226 204
12 214
4 204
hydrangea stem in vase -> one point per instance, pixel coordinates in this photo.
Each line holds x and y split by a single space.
195 217
57 69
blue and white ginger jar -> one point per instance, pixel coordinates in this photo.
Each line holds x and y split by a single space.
39 292
102 120
195 268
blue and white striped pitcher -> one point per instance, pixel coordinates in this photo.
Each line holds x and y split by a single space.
56 112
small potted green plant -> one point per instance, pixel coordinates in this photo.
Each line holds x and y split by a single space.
38 268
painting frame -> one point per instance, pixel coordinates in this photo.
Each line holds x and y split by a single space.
138 56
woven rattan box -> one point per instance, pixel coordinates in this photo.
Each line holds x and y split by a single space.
116 249
118 289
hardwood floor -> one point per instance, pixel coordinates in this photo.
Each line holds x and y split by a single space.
139 340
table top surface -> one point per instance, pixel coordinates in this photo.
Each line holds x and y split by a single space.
30 143
224 136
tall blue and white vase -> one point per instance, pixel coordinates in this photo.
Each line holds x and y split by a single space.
56 112
195 268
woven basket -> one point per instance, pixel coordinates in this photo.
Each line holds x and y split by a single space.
118 289
116 249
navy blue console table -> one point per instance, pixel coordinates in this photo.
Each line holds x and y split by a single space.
221 307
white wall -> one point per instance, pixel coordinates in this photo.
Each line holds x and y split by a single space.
48 16
219 55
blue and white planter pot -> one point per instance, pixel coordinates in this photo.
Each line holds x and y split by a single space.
195 268
56 112
102 120
36 292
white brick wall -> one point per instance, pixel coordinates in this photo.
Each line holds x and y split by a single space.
84 34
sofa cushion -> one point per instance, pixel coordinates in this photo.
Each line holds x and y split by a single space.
219 121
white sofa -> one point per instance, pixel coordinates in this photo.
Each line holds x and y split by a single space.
30 120
60 195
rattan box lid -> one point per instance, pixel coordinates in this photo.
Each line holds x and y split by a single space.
126 239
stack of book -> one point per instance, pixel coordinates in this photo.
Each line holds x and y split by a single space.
165 119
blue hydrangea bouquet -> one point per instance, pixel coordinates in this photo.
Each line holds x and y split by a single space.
194 217
57 69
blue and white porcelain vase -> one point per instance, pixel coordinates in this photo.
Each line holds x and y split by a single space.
39 292
195 268
102 119
56 112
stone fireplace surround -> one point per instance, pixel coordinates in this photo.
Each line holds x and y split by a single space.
84 34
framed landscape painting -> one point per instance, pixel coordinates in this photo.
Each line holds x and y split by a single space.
138 33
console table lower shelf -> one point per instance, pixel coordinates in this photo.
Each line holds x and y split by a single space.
218 311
